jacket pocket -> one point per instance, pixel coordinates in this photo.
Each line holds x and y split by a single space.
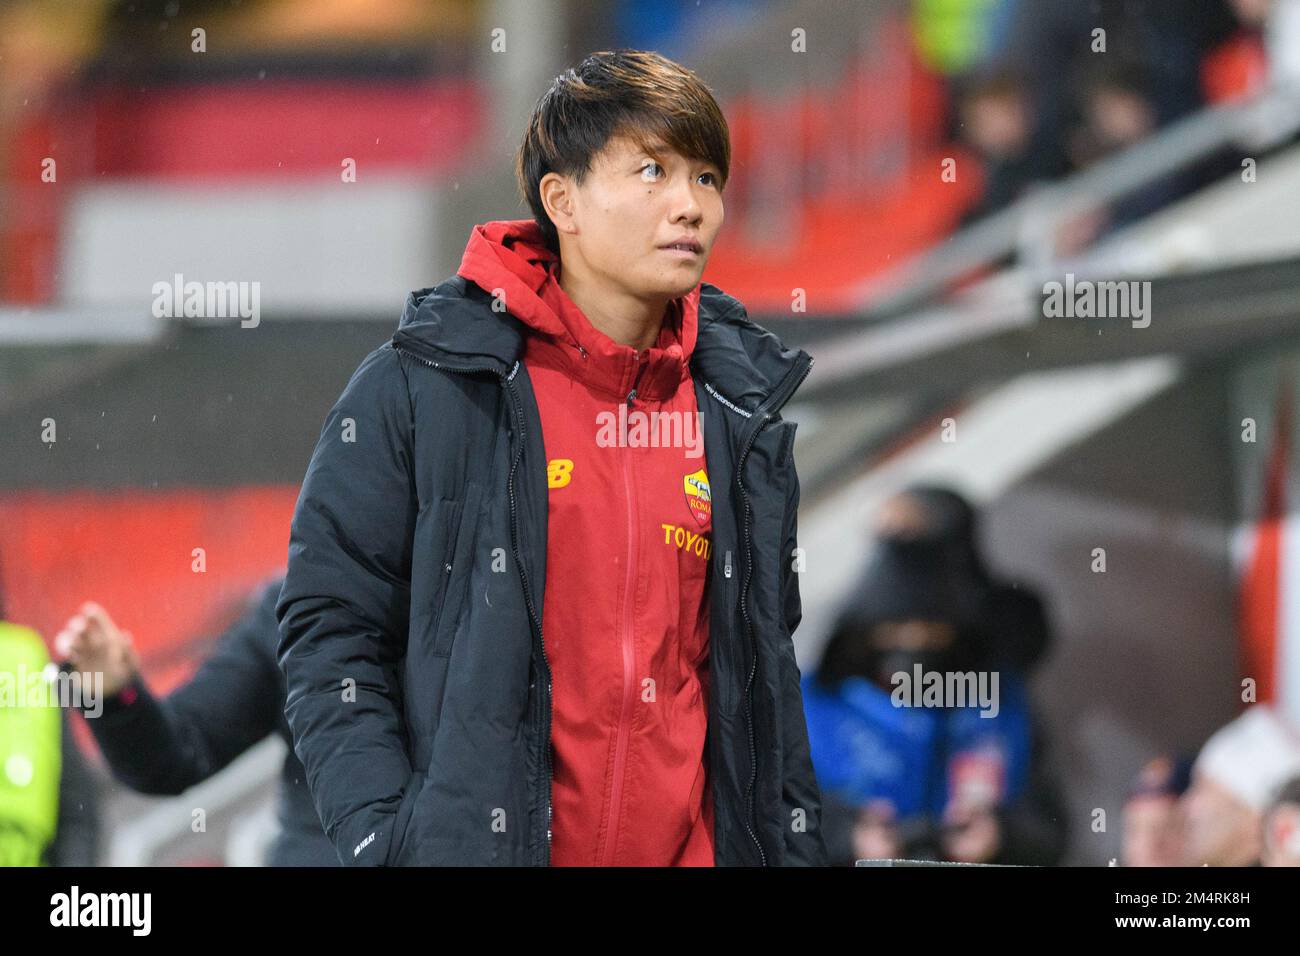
725 648
457 566
402 820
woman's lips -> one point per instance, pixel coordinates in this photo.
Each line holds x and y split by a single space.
680 251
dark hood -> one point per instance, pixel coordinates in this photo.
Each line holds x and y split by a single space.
906 580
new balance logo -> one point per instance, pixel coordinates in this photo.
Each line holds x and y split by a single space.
559 472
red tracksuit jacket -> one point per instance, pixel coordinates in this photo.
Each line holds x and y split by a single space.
625 617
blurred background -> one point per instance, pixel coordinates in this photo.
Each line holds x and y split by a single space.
908 180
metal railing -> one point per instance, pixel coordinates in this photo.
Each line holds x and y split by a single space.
1028 228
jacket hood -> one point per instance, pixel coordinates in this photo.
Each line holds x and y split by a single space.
455 321
510 258
510 255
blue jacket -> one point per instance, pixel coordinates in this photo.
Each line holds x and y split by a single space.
864 747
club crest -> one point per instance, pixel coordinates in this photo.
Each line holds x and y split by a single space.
698 498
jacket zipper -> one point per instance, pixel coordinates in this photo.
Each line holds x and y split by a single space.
775 401
629 662
753 644
629 649
518 413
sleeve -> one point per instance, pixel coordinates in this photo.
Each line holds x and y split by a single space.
76 839
344 610
230 703
799 788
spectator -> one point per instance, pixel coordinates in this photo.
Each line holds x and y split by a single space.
997 123
1232 779
1153 829
49 798
953 781
234 700
1016 626
1119 113
1056 44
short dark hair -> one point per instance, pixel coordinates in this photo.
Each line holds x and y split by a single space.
1124 78
636 93
995 83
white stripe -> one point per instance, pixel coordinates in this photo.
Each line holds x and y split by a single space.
1286 655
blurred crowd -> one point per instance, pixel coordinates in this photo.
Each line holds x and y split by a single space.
1038 96
962 782
1236 803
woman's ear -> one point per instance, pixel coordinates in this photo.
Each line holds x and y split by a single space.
556 193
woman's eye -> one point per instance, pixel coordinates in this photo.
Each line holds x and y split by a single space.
713 180
650 165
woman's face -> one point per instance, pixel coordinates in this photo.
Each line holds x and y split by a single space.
630 207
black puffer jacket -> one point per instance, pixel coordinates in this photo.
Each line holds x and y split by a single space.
410 621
